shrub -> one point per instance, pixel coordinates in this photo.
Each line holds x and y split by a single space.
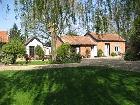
64 55
7 58
13 48
100 53
113 54
130 55
74 57
39 52
64 50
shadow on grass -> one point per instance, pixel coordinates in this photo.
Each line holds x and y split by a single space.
70 86
5 90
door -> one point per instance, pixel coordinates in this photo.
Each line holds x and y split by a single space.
31 51
93 51
107 49
77 50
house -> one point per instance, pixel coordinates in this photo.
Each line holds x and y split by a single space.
89 44
32 42
81 44
4 38
108 43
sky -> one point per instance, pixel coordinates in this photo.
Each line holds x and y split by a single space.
7 18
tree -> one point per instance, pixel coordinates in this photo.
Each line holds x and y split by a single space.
71 33
14 48
135 39
14 32
39 51
53 16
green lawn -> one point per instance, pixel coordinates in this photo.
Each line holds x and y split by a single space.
70 86
33 62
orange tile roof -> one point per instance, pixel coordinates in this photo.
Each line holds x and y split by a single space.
4 36
106 37
78 40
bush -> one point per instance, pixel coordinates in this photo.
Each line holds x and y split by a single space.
64 55
64 50
13 48
100 53
113 54
39 52
75 57
7 59
130 55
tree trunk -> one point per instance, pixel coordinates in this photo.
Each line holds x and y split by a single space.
53 44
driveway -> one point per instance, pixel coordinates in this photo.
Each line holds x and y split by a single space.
115 63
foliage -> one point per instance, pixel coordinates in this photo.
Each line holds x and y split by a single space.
47 16
1 44
1 55
130 55
64 50
133 53
64 54
113 54
14 32
100 53
39 51
74 57
107 16
135 39
14 47
78 86
71 33
7 58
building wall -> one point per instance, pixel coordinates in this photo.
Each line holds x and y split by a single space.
84 50
100 45
47 50
33 43
121 45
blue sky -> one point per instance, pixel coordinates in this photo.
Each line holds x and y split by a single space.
7 18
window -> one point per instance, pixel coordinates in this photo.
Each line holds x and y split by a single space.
116 49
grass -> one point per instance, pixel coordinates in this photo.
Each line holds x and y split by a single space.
70 86
33 62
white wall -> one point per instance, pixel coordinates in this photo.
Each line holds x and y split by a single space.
93 51
47 50
33 43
